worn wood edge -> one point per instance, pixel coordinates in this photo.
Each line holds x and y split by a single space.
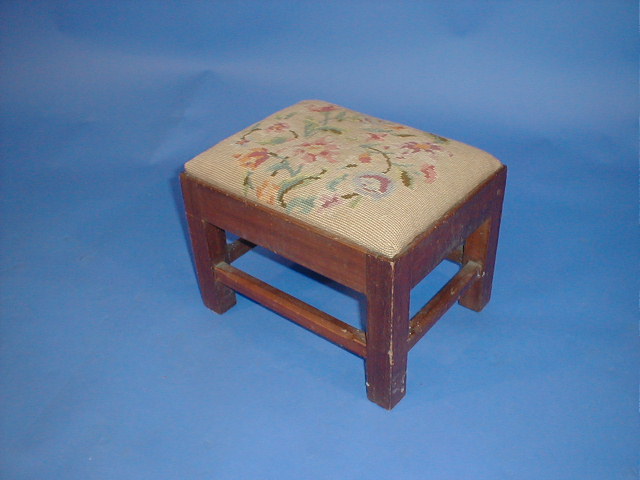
387 329
443 301
305 315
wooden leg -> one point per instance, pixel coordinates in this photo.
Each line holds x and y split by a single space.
481 247
388 290
209 248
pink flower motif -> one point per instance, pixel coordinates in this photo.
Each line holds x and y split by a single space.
328 201
416 147
320 149
376 136
430 173
278 127
253 158
364 158
374 185
323 108
242 141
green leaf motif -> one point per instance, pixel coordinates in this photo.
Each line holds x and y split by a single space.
353 203
248 185
305 205
295 182
247 180
350 195
406 178
337 131
333 184
310 128
288 185
275 141
439 139
284 165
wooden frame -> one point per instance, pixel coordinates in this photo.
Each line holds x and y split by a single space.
467 234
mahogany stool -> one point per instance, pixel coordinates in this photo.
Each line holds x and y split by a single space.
371 204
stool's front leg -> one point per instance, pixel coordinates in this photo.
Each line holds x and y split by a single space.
388 290
209 248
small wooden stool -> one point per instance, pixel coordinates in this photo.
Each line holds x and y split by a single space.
371 204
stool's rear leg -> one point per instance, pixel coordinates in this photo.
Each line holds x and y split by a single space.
481 247
209 248
388 291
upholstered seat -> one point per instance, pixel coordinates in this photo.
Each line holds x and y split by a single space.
372 182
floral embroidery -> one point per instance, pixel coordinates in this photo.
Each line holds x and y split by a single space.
375 185
429 172
268 192
376 136
320 149
416 147
278 127
364 158
328 201
316 157
254 158
323 108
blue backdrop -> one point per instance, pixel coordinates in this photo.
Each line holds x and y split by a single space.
111 368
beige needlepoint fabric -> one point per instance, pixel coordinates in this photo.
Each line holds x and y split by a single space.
376 183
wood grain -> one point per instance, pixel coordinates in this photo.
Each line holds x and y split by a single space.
388 291
209 247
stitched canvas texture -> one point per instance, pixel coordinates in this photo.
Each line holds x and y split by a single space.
374 182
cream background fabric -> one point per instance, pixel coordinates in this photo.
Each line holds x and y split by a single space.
376 183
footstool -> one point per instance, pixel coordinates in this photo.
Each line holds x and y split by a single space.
371 204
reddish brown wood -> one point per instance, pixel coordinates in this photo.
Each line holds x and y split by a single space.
430 248
388 290
238 248
481 247
209 247
473 223
456 255
332 257
302 313
442 301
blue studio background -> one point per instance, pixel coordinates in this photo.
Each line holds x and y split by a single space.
110 366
